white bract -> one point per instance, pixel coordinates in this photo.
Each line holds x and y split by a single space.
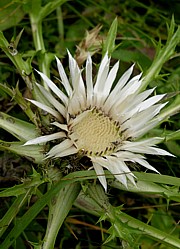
102 121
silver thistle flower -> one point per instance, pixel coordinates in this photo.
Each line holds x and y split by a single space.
105 123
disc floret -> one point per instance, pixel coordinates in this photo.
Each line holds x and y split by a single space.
95 133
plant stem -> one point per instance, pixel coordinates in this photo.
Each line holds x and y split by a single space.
96 202
37 14
36 26
60 25
172 109
149 231
60 206
22 66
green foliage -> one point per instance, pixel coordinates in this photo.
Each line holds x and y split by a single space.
109 44
11 13
36 204
16 126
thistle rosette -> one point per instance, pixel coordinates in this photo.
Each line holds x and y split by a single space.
101 121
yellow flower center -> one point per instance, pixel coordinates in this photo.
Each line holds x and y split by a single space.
94 133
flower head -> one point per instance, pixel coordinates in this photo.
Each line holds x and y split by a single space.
103 121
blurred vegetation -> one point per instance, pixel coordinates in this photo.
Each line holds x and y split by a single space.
81 27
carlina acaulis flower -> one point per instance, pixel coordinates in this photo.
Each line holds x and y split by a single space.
105 122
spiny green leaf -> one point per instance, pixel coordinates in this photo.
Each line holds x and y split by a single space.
34 210
147 183
32 182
